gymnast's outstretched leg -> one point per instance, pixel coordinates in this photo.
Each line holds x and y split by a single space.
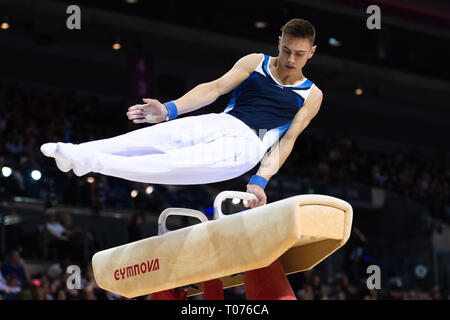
219 160
192 150
155 139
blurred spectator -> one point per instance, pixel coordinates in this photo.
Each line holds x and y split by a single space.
355 265
38 293
307 293
77 239
436 294
369 294
374 294
55 270
395 291
60 294
317 288
12 281
88 294
15 265
54 227
90 288
14 143
413 294
340 295
26 292
88 278
58 238
11 287
45 285
2 282
345 286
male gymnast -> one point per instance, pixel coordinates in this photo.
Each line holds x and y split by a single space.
271 104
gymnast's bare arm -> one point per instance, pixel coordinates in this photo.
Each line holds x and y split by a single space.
203 94
274 159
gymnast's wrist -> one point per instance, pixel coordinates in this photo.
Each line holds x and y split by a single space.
172 111
259 181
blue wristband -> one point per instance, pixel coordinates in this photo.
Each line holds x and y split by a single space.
171 110
259 181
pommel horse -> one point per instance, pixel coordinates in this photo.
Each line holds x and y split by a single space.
299 232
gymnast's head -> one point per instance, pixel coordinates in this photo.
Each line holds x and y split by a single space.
296 44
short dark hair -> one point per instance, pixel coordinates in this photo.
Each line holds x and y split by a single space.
299 28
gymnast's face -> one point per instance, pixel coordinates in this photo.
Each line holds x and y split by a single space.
294 53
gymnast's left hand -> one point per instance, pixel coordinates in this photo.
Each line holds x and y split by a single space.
152 111
260 195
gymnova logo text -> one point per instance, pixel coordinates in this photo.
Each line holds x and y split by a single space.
137 269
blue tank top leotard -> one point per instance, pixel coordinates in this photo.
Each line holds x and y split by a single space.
265 105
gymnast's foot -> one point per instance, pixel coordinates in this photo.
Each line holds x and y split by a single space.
49 149
76 158
63 164
80 170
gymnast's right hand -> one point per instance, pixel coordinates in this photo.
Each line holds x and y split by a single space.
152 111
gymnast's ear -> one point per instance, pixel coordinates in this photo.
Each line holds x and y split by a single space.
313 50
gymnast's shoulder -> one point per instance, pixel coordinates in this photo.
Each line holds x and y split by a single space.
316 91
315 96
250 61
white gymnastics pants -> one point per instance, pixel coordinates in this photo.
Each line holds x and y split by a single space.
192 150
